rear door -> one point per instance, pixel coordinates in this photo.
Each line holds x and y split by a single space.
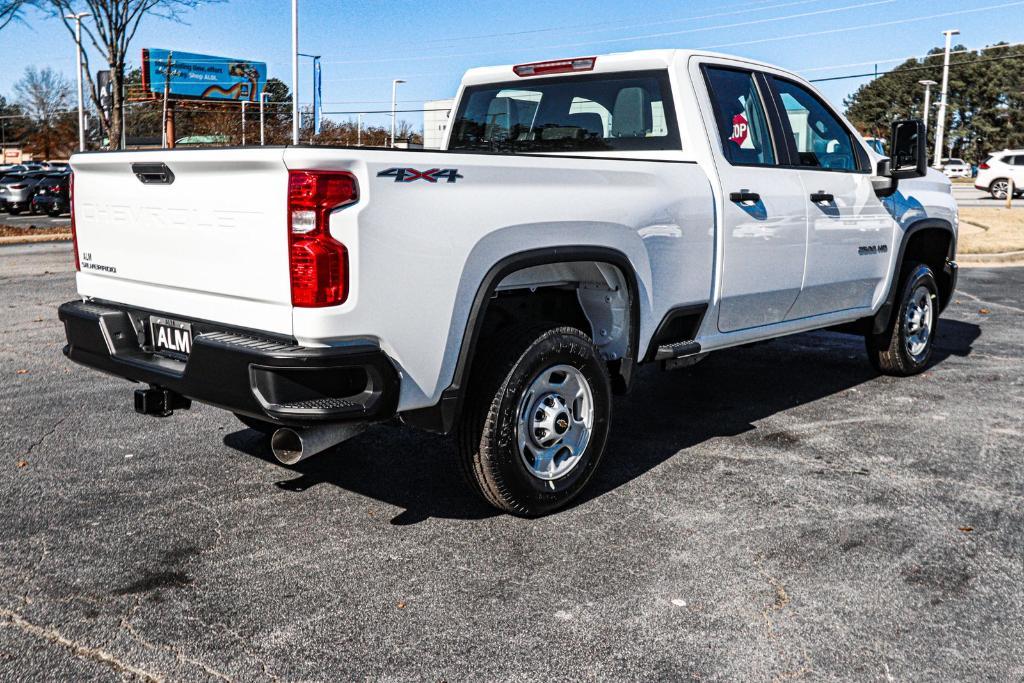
764 217
850 233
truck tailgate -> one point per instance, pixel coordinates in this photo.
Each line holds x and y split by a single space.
196 233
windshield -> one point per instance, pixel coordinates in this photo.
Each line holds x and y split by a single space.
622 111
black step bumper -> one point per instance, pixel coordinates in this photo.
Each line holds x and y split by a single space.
269 379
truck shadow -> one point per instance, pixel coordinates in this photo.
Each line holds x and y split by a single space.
668 412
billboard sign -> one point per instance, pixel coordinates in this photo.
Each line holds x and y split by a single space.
202 76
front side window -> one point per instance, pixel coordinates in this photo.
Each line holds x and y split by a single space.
822 141
572 114
739 113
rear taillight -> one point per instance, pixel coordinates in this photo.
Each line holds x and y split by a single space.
17 187
318 262
74 233
559 66
983 166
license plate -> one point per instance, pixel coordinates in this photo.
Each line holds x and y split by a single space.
171 335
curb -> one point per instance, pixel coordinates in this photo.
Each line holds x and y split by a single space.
30 239
1004 258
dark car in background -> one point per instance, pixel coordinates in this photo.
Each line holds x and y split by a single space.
52 194
17 189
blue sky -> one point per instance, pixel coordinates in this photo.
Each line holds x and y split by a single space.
429 43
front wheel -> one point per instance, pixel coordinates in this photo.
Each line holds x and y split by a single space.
905 347
536 421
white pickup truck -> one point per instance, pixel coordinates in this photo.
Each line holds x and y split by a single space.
587 215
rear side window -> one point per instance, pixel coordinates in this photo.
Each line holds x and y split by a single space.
822 141
626 111
739 113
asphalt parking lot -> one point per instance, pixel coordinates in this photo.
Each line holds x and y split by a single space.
777 511
27 220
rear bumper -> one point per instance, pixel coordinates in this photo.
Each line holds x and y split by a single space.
268 379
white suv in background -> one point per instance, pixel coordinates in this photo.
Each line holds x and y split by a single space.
956 168
995 173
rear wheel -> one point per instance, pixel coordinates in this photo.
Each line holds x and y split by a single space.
999 188
536 421
905 347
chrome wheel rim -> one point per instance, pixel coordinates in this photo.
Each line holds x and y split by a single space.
555 421
1000 188
918 321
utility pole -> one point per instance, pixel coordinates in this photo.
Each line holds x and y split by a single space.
244 102
78 72
295 72
168 115
927 100
394 102
359 130
263 100
940 126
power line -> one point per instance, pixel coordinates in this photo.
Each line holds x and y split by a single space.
909 57
743 8
859 5
880 24
929 67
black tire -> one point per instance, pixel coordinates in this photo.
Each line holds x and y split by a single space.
260 426
488 434
890 351
13 211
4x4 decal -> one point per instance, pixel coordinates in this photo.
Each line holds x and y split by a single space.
408 175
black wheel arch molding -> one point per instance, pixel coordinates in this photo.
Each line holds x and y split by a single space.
442 416
949 270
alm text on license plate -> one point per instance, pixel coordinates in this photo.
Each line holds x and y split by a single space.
171 335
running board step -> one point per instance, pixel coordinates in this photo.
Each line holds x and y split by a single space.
677 350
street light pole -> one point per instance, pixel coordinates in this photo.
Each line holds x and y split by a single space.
78 72
394 102
359 130
940 125
244 102
295 72
927 99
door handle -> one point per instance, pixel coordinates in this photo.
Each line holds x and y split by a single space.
744 196
822 197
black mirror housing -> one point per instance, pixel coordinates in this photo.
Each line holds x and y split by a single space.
909 149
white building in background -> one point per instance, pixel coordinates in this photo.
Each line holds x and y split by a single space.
435 122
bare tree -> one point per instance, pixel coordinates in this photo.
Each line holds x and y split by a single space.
11 10
45 97
110 29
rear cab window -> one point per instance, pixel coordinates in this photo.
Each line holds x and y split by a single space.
740 117
626 111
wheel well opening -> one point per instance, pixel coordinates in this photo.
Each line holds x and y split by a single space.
931 246
593 297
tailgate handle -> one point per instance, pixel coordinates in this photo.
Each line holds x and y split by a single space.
153 174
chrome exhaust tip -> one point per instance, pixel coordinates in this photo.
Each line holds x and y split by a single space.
293 445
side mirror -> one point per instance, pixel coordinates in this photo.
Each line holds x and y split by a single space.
909 151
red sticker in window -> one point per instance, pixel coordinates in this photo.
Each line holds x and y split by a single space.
740 129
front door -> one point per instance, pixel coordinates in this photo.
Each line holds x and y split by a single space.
850 233
764 216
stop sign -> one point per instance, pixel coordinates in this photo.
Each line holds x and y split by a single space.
740 129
